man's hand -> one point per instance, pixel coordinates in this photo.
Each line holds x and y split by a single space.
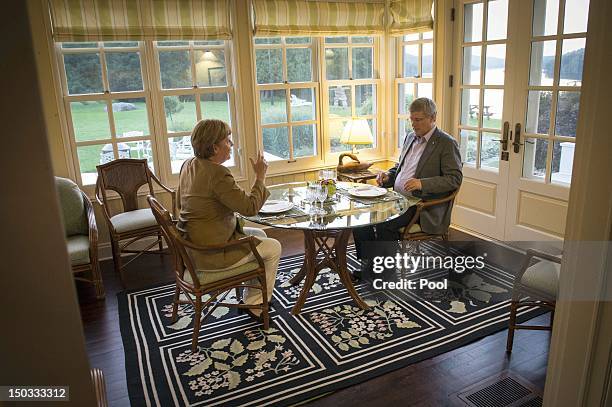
413 184
382 178
260 167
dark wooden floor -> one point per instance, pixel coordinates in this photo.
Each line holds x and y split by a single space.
428 383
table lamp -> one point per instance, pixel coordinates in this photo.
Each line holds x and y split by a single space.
356 131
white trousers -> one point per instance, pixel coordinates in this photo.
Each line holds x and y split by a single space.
270 251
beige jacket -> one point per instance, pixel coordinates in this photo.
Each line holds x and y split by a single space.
209 197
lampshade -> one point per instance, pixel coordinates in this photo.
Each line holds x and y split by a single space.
356 131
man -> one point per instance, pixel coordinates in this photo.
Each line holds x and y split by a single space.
429 167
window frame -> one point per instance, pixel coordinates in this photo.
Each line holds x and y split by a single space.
375 81
400 79
284 165
153 93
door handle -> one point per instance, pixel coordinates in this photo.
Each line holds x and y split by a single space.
517 138
504 139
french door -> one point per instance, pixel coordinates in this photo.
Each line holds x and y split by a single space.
518 66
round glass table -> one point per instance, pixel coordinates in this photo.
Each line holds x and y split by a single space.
342 212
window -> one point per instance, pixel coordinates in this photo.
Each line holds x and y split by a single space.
195 84
288 97
351 84
107 106
116 110
415 69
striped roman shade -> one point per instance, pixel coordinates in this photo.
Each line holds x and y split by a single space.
307 17
108 20
409 16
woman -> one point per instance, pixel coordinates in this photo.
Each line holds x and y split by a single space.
209 197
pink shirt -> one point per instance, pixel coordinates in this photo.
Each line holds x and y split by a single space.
411 161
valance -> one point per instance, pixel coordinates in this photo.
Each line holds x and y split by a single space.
410 16
306 17
122 20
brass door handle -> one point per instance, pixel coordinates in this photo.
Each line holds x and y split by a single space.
504 139
517 138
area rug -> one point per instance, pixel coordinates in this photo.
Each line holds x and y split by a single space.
332 344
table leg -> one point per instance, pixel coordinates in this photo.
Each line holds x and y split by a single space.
295 280
334 258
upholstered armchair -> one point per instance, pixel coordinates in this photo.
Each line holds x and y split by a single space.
81 233
130 224
534 285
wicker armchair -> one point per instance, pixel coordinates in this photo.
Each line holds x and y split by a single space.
194 283
81 233
534 285
126 177
412 231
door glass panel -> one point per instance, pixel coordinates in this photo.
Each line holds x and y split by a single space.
542 63
489 150
471 65
568 105
495 64
538 111
492 108
572 59
497 20
576 16
534 160
470 107
545 17
562 161
472 22
469 140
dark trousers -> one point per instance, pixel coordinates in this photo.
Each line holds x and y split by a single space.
383 232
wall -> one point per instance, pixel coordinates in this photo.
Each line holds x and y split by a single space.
42 342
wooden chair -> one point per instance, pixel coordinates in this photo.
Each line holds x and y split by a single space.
412 231
125 177
81 233
194 283
534 285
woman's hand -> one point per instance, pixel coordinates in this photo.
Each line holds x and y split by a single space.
260 167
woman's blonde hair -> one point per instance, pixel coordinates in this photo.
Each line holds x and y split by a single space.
206 134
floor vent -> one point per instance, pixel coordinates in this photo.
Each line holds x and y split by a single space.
504 390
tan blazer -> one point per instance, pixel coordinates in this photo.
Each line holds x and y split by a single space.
208 196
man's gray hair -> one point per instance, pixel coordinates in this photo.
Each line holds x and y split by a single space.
425 105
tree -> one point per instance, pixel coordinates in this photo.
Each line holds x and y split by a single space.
172 105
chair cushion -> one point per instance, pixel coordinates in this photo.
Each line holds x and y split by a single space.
78 249
211 276
132 220
72 207
413 229
543 276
